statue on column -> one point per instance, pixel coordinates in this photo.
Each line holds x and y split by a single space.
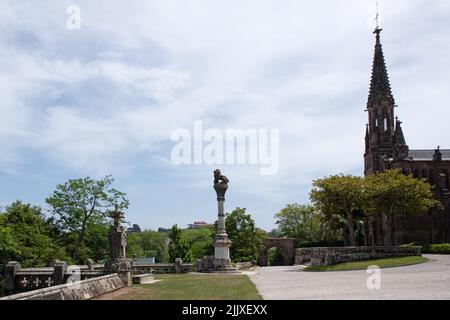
220 184
222 243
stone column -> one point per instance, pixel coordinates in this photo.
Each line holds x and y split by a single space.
10 276
178 265
222 243
60 268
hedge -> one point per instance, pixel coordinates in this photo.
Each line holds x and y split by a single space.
436 248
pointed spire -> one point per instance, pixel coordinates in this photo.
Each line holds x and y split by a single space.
380 87
399 137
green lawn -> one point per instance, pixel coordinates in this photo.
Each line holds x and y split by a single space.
362 265
192 287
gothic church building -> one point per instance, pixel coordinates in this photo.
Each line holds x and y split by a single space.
386 148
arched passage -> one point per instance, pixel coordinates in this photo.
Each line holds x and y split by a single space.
286 245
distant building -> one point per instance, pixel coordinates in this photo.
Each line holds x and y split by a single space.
163 230
135 229
198 225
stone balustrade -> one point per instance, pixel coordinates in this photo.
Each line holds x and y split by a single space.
81 290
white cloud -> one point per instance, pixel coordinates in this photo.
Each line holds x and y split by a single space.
108 96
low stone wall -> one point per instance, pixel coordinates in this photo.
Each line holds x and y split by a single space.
330 256
161 268
302 255
244 265
82 290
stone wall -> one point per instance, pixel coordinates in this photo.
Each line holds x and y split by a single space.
330 256
162 268
82 290
302 255
244 265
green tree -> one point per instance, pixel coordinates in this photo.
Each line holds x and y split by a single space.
80 202
391 192
201 241
305 224
245 237
134 247
275 233
154 244
25 236
340 197
148 243
178 247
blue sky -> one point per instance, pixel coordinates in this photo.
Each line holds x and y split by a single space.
105 99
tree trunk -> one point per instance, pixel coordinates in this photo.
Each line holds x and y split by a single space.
78 243
370 231
387 230
351 230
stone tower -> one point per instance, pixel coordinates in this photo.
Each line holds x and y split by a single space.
386 148
381 131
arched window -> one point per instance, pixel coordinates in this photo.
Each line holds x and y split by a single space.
432 177
444 182
385 123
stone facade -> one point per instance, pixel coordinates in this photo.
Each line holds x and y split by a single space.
330 256
386 148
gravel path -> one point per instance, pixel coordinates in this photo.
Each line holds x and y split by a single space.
430 280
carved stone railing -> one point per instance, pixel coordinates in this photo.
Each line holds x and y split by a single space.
81 290
18 279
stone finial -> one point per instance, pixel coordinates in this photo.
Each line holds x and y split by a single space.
437 154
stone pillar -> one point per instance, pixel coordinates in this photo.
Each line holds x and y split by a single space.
222 243
10 276
178 265
60 268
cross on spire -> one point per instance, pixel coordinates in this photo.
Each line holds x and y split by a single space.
380 87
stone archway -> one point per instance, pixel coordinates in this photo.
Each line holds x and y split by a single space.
286 245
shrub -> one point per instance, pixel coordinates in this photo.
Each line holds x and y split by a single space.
436 248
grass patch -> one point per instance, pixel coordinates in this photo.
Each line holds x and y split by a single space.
194 287
362 265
